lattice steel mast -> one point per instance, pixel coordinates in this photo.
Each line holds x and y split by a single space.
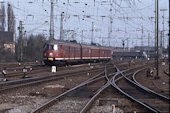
52 21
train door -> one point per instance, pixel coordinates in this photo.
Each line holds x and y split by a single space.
90 53
61 50
64 51
81 52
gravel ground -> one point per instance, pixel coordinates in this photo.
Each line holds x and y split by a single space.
25 99
160 85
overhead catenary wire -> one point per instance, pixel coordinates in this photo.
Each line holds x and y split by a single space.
69 8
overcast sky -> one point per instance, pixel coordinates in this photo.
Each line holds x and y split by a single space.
128 18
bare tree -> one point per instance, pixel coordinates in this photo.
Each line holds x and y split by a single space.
11 18
34 49
2 18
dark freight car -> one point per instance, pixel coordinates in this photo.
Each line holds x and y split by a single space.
128 54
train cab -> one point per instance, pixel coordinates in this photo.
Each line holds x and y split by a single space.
52 52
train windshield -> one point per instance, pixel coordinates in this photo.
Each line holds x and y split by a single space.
54 47
51 47
46 47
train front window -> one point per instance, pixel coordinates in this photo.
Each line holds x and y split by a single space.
46 47
51 47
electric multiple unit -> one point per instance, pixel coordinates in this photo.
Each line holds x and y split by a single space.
56 52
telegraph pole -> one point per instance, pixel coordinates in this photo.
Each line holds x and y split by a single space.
127 42
20 42
82 36
8 18
157 51
161 44
92 32
169 37
148 45
61 27
163 10
52 21
142 39
110 28
155 30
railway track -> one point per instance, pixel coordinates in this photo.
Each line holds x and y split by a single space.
106 76
52 101
148 99
16 65
18 71
39 79
166 72
94 79
13 73
147 89
30 72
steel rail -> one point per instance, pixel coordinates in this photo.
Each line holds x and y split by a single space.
28 81
42 77
129 96
17 67
35 69
21 73
45 105
61 95
147 89
166 73
87 106
144 88
31 81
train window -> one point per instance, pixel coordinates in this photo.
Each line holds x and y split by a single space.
66 49
85 50
59 47
46 47
51 47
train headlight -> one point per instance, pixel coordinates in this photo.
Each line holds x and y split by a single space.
50 54
55 47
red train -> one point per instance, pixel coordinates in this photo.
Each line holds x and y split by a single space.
62 52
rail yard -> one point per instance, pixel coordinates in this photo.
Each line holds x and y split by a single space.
84 56
117 85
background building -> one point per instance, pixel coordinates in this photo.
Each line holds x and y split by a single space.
7 41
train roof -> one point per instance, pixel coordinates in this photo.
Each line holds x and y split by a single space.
74 43
62 42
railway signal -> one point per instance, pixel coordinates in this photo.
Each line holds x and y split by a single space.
20 42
